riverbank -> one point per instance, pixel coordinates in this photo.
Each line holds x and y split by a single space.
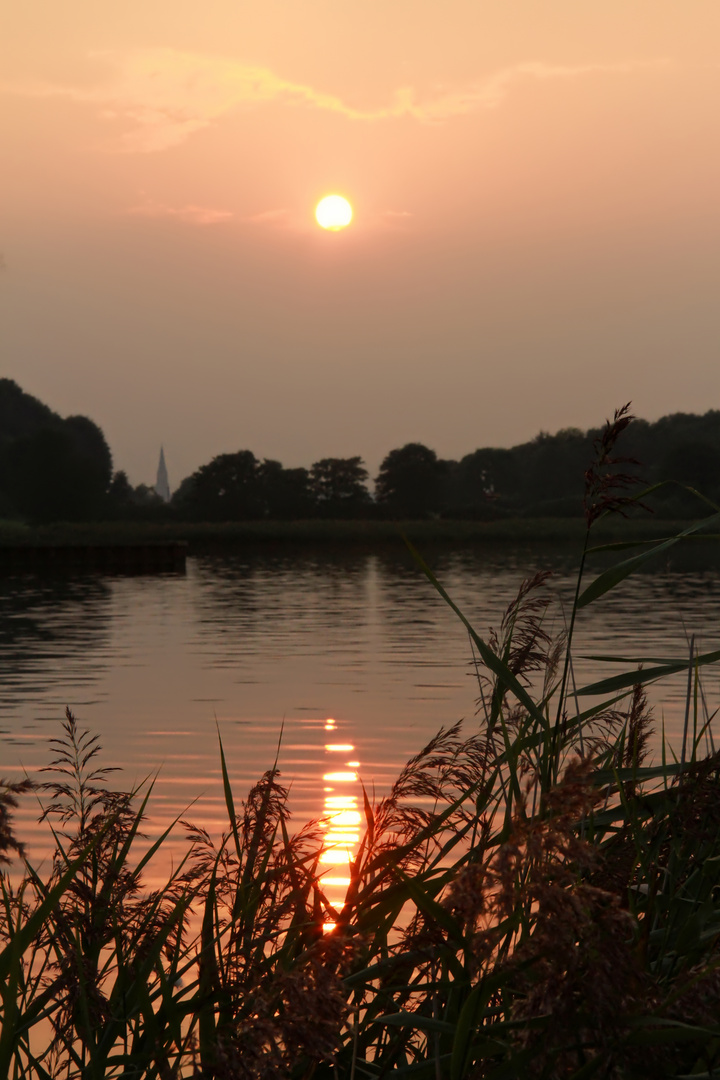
365 533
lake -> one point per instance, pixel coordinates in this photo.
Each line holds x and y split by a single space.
353 657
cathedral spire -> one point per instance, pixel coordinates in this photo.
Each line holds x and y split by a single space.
162 486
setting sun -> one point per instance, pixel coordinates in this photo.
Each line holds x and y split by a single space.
333 212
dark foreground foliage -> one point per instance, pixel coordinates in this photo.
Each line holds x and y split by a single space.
533 899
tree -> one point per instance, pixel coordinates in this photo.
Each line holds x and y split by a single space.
50 478
410 482
22 414
551 478
285 493
141 503
228 488
695 463
92 448
120 491
338 487
183 498
481 482
50 469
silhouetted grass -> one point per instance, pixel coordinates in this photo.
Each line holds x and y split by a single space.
536 898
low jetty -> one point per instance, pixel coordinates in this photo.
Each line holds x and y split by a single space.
148 558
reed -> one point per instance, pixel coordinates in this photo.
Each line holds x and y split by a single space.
537 898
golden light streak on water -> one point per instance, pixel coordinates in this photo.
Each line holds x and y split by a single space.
342 821
336 856
347 817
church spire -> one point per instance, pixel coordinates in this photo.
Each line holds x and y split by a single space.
162 486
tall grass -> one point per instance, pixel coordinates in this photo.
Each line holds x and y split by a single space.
536 898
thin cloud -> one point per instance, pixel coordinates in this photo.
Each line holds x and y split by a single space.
396 220
192 214
164 96
268 217
195 214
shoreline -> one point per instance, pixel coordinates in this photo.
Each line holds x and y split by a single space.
353 532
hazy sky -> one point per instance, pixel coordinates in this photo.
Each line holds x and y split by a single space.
536 188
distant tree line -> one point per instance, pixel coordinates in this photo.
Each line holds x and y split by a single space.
55 469
540 478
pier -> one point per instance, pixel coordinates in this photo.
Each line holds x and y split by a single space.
148 558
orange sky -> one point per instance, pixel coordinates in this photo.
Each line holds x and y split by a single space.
536 235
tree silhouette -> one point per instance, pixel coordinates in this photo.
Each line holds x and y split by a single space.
285 493
53 469
120 491
226 489
410 482
22 414
338 487
483 482
50 469
49 478
695 463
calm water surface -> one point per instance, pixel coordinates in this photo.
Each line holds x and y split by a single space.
355 655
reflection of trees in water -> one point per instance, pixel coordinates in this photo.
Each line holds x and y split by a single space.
257 603
53 631
482 579
349 610
333 586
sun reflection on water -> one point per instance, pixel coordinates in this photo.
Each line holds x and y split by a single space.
341 821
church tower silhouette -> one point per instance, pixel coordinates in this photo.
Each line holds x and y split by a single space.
162 485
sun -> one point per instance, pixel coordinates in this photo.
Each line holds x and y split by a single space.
333 212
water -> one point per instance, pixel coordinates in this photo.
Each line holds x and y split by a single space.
353 651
